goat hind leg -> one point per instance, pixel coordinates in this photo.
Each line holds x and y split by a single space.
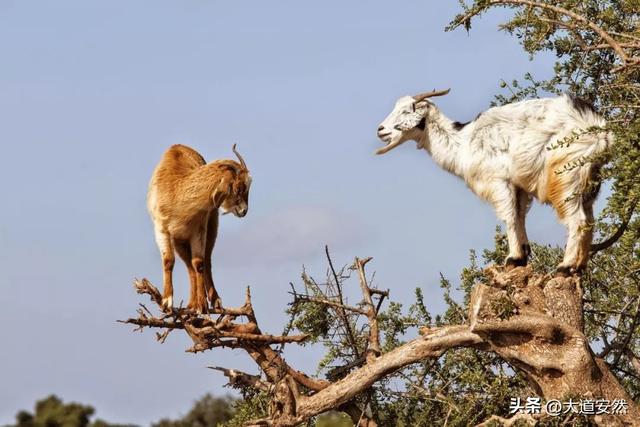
585 236
183 248
197 262
576 253
580 222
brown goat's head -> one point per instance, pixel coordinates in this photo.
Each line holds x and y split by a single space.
232 193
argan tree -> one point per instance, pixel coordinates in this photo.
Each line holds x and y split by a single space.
511 334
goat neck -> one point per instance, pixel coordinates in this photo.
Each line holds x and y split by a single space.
443 141
196 189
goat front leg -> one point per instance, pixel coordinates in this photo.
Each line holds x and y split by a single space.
183 248
163 240
197 263
504 197
212 233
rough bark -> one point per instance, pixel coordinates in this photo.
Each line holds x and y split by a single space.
536 324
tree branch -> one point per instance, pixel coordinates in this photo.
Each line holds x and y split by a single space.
618 47
371 312
533 322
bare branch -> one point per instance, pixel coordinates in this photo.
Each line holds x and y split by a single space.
242 379
324 301
371 312
342 314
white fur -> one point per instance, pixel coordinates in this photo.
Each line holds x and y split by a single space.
505 157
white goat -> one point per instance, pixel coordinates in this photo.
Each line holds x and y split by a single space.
508 155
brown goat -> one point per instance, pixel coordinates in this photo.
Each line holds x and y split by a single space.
184 197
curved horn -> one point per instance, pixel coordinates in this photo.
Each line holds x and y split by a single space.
244 165
426 95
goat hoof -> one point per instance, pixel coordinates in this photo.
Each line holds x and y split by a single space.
203 307
167 304
217 304
197 308
578 270
563 271
511 263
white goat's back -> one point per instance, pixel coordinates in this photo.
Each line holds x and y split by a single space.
523 138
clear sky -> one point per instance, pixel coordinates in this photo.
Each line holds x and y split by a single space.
92 93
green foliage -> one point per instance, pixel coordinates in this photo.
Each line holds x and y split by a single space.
503 307
333 419
53 412
460 383
311 318
208 411
252 407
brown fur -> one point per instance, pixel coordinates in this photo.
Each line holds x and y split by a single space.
556 187
184 197
563 190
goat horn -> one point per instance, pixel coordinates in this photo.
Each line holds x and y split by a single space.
244 165
426 95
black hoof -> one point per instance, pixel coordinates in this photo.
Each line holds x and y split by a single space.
515 262
526 249
562 271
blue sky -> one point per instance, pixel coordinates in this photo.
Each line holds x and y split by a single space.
92 93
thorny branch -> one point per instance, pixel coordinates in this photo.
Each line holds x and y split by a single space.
341 311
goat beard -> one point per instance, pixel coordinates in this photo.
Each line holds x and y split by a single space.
390 146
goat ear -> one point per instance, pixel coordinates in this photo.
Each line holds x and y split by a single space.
221 191
218 197
409 121
421 107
